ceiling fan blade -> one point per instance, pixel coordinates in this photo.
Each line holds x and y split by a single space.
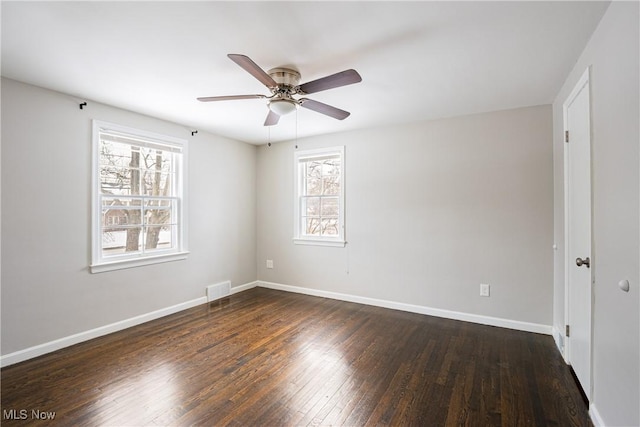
342 78
229 97
272 119
252 68
325 109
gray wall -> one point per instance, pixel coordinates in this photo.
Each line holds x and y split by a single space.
613 56
433 209
47 290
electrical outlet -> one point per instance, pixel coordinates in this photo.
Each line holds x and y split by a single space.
269 263
484 290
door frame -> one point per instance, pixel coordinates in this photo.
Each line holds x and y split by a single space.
583 82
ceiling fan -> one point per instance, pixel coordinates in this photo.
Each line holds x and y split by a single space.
284 84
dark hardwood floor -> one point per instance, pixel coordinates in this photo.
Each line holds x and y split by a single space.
265 357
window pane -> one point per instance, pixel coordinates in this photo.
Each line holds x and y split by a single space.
313 178
314 186
311 206
161 216
161 220
313 169
331 185
156 183
116 154
121 217
116 241
119 169
116 180
330 227
124 212
330 206
156 172
159 237
312 226
157 160
331 167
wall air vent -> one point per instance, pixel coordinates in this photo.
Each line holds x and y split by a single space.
219 290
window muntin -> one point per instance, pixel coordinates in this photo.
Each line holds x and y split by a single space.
320 196
138 196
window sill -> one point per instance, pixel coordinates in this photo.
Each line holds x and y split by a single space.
318 242
136 262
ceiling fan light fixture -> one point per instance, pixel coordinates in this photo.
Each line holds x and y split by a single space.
283 107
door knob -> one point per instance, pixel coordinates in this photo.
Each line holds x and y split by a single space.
580 262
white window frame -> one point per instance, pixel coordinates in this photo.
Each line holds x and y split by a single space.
299 237
100 263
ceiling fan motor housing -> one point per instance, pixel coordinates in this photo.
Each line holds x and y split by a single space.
285 77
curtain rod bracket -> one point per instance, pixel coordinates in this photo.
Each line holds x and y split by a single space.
82 105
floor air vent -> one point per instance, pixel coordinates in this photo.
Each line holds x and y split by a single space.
218 291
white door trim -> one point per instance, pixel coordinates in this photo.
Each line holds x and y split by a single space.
569 263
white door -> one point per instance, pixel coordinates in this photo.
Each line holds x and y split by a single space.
578 231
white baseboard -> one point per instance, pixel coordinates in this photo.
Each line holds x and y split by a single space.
596 419
559 340
244 287
447 314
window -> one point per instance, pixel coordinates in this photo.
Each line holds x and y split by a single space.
138 198
319 197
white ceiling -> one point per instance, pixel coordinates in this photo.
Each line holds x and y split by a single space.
418 60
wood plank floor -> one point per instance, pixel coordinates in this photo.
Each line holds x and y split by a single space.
264 357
